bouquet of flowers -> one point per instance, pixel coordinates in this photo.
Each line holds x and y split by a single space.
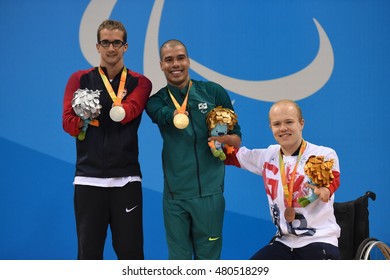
86 105
319 171
220 121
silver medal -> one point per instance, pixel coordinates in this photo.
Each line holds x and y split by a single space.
117 113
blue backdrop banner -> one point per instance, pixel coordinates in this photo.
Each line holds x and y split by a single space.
330 56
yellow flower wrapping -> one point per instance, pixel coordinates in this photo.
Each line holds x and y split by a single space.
319 170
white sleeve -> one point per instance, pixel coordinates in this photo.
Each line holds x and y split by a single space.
251 160
333 155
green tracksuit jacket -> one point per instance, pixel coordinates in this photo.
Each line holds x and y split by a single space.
190 169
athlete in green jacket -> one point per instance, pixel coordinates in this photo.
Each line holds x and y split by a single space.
193 200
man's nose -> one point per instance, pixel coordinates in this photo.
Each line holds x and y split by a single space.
175 62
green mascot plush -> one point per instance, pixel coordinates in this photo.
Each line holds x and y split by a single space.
220 121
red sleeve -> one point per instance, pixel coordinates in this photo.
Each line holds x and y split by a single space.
135 102
231 159
336 182
69 118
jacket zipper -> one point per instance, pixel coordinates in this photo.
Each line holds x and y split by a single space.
196 153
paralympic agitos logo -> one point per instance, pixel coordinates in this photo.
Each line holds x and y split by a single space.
298 85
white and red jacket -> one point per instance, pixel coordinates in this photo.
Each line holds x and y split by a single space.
314 220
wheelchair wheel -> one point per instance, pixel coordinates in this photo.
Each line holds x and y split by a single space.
373 249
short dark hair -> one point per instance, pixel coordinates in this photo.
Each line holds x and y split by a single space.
173 43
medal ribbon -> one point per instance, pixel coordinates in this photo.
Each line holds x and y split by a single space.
116 98
180 109
288 190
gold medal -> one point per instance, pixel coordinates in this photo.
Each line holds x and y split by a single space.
181 121
117 113
289 214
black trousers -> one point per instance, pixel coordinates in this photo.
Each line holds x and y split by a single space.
96 208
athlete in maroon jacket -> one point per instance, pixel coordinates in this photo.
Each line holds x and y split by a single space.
108 176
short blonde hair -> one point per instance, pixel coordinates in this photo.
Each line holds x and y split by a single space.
288 101
112 25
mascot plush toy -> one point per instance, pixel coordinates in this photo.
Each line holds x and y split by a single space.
220 121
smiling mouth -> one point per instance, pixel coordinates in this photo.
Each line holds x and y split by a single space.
284 135
176 73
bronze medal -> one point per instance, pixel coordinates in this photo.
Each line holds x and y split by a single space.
289 214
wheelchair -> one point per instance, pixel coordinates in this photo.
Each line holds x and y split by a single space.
355 242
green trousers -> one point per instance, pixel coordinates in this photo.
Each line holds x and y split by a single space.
194 227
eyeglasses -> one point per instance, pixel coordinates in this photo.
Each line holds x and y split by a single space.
116 44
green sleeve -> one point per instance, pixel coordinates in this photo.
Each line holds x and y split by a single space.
159 111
